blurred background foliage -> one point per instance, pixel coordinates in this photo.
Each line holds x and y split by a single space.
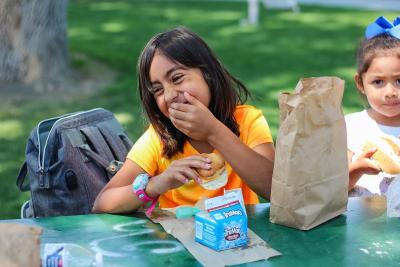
269 58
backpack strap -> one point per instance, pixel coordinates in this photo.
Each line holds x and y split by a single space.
88 152
126 141
21 178
110 166
96 139
116 144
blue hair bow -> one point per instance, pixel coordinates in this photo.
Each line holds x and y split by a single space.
383 26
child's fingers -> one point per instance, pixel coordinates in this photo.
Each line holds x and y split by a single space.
368 165
187 174
178 114
180 124
368 153
195 161
192 100
180 106
191 174
184 169
187 127
373 167
198 162
181 178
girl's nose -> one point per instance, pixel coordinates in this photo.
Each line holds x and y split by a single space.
174 95
391 91
170 94
180 98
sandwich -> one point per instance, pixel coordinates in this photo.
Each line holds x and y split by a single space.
387 154
216 176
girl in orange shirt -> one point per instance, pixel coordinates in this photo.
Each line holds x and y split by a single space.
194 106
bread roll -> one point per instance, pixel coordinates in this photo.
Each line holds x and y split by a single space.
387 153
216 176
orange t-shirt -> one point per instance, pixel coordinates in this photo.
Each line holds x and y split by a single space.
147 153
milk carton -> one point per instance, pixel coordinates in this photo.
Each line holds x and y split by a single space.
223 224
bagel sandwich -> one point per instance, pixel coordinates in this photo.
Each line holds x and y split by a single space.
216 177
387 154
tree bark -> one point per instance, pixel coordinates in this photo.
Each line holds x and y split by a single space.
33 43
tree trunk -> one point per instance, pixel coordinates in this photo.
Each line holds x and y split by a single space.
33 43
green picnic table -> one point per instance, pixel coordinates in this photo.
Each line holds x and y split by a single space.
363 236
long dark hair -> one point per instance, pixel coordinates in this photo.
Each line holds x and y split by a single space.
185 47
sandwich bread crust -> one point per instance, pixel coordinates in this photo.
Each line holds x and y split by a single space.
387 153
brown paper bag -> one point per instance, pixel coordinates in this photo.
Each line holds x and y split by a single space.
310 178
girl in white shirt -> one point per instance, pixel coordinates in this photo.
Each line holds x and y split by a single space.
378 80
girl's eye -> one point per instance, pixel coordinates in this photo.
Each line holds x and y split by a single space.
177 78
156 91
398 82
377 83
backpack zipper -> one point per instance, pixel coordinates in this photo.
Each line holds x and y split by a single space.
41 157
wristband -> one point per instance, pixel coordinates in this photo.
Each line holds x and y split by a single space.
139 187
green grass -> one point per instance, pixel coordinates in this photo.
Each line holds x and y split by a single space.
269 58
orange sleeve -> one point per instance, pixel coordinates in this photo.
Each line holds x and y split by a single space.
146 152
254 128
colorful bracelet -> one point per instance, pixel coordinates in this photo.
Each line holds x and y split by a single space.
139 187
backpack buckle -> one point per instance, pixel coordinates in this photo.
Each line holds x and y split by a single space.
114 166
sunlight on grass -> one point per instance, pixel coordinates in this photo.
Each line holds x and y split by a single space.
80 32
124 118
273 83
11 129
335 21
110 6
314 19
113 27
346 72
198 15
234 29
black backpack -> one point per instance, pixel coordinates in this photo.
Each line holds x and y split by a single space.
69 159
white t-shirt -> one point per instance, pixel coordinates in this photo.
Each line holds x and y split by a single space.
360 127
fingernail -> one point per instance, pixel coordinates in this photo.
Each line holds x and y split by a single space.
208 166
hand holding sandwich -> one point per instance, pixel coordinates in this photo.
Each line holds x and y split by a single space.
215 177
380 154
363 164
180 172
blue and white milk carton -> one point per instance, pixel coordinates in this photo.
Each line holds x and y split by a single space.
223 224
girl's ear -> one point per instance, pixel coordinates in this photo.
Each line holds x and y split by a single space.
359 83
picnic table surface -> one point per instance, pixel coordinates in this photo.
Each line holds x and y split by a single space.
363 236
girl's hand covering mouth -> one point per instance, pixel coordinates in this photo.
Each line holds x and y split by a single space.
193 119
